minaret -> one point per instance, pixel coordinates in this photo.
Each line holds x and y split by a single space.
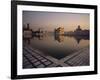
78 29
27 26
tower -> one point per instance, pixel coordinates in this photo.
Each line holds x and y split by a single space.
28 27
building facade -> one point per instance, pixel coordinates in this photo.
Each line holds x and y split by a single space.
59 31
79 31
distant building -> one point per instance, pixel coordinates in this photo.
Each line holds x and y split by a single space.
27 30
59 31
78 28
26 27
79 31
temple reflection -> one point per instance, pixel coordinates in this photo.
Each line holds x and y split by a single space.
27 38
59 34
79 38
59 38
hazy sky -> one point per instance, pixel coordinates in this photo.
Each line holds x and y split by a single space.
51 20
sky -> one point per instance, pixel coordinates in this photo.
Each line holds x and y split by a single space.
51 20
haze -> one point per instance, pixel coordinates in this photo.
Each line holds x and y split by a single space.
51 20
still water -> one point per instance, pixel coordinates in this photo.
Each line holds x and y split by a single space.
57 46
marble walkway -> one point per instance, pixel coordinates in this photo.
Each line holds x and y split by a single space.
33 58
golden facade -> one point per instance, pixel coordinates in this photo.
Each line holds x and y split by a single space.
59 30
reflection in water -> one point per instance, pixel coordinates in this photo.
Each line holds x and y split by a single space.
27 38
59 38
57 46
79 38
